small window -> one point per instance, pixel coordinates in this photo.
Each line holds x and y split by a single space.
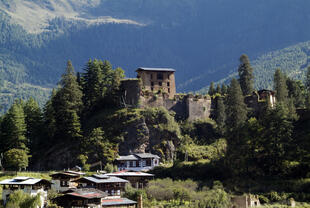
152 83
168 90
160 83
152 88
160 76
168 84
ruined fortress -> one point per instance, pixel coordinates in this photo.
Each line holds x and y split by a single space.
155 87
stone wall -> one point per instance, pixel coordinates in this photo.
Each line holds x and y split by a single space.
191 107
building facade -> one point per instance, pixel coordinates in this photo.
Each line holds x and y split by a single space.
158 79
32 186
137 162
64 181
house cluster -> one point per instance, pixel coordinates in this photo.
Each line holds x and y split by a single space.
95 191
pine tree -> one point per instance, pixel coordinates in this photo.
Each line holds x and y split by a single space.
67 105
49 119
245 71
34 124
211 89
218 89
13 128
220 116
280 87
224 89
236 109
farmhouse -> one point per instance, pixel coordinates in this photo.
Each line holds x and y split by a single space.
32 186
112 186
137 179
64 181
137 162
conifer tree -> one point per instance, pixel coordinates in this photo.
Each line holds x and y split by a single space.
49 119
34 124
245 71
236 109
218 89
223 89
211 89
220 116
308 89
280 87
13 128
67 105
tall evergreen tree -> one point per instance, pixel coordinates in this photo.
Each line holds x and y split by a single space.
220 116
246 79
13 128
218 89
236 109
223 89
211 89
67 105
280 87
34 124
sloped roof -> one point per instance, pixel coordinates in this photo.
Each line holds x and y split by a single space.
109 179
88 193
155 69
118 201
129 173
136 156
22 181
146 155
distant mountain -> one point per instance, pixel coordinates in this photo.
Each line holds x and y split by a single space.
293 61
201 39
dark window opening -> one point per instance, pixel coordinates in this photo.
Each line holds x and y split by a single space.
152 88
168 90
160 76
168 84
160 83
152 83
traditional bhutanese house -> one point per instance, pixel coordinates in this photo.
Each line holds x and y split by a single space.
81 198
137 179
137 162
119 203
32 186
112 186
64 181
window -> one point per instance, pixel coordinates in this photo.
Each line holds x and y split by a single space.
168 84
152 83
151 76
168 90
160 76
160 83
133 163
152 88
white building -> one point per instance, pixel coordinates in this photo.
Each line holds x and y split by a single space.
32 186
137 162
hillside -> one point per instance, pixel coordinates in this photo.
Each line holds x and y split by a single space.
201 39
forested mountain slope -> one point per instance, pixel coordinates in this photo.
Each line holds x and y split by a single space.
201 39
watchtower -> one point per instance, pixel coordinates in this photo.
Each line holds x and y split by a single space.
155 79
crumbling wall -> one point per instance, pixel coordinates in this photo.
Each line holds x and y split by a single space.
130 92
198 107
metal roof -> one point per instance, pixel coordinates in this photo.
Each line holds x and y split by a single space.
127 157
136 156
118 201
128 173
88 193
22 181
155 69
146 155
110 179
